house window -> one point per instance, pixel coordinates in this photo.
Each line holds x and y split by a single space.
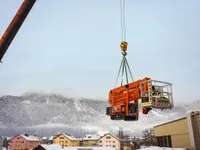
113 141
108 137
61 138
169 140
113 145
164 141
100 141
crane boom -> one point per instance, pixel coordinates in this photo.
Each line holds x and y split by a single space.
14 26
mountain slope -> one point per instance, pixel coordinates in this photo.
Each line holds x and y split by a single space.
49 114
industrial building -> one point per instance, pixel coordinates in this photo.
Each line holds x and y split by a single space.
180 133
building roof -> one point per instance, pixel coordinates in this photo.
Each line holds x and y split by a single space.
44 138
170 122
30 137
27 137
58 147
51 147
110 135
87 148
91 137
69 136
51 137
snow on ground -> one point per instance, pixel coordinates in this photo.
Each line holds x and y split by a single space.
161 148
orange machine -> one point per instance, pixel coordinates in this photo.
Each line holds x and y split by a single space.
123 100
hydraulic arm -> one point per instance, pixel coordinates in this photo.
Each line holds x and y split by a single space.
14 26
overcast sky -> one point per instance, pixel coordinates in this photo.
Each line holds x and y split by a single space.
72 46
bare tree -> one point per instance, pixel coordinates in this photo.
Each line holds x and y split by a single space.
148 138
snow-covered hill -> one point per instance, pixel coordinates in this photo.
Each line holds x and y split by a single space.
49 114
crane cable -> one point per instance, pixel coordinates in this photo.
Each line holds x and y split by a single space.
124 63
123 20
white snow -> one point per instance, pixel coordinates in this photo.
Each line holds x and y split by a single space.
156 113
161 148
58 147
51 147
44 138
91 137
30 137
51 137
26 102
70 137
87 148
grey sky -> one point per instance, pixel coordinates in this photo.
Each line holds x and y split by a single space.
72 46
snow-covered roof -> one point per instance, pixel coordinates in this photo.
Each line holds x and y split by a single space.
58 147
51 137
68 136
44 138
51 147
30 137
91 137
110 135
161 148
93 148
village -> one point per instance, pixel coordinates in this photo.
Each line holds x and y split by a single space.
63 140
181 133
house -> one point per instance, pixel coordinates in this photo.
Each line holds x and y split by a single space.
181 133
1 142
58 147
109 140
48 147
44 140
50 139
22 142
89 140
66 140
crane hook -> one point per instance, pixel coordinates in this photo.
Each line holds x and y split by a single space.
123 46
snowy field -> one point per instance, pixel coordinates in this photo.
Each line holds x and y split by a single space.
161 148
